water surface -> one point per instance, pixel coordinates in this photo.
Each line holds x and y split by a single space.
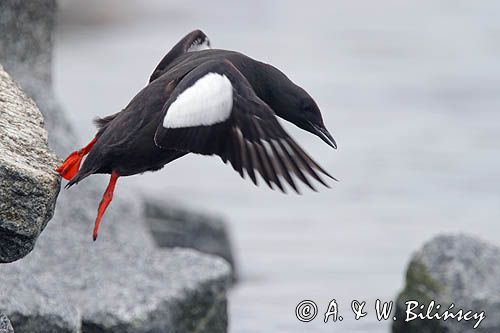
410 92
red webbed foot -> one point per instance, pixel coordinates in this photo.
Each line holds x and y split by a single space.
72 163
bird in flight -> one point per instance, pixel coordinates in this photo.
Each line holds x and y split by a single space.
210 102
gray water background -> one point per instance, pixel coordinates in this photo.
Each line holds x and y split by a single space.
410 91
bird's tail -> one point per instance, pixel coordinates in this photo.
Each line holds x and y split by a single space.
80 175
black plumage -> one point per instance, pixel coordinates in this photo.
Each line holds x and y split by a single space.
250 138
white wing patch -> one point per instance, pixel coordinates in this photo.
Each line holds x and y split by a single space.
208 101
199 45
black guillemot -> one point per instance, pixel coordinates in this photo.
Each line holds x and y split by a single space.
205 101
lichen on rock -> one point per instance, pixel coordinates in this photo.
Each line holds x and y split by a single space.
451 269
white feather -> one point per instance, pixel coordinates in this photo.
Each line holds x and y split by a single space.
197 46
208 101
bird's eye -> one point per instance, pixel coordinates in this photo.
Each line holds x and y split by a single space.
307 106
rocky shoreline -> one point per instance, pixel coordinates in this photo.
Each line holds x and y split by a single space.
123 282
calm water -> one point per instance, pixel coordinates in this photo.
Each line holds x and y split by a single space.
411 94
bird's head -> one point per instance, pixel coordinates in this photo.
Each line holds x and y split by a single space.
286 99
294 104
308 117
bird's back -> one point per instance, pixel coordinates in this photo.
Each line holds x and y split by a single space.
125 141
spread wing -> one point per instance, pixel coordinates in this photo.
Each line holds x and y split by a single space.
194 41
214 110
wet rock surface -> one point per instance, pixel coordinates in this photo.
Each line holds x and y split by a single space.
28 184
455 269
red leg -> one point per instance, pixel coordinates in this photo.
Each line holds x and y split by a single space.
72 163
106 199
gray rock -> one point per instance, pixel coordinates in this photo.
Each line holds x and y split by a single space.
187 295
175 226
5 326
26 41
28 184
122 282
35 309
455 269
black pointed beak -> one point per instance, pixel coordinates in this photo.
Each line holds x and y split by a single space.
323 133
